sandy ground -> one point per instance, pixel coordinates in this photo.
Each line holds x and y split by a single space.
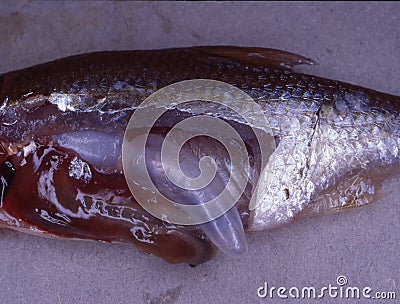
357 43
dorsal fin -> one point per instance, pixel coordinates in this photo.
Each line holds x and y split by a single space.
255 56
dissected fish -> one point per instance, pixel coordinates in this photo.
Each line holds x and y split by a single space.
62 128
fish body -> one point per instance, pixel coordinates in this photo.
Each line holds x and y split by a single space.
62 130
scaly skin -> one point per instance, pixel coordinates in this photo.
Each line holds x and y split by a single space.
336 142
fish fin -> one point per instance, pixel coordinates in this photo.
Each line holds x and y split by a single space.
345 194
256 56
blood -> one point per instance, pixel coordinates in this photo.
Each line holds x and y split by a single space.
42 194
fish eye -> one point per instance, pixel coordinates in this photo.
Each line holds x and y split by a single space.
7 172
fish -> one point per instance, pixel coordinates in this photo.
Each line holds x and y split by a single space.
63 127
